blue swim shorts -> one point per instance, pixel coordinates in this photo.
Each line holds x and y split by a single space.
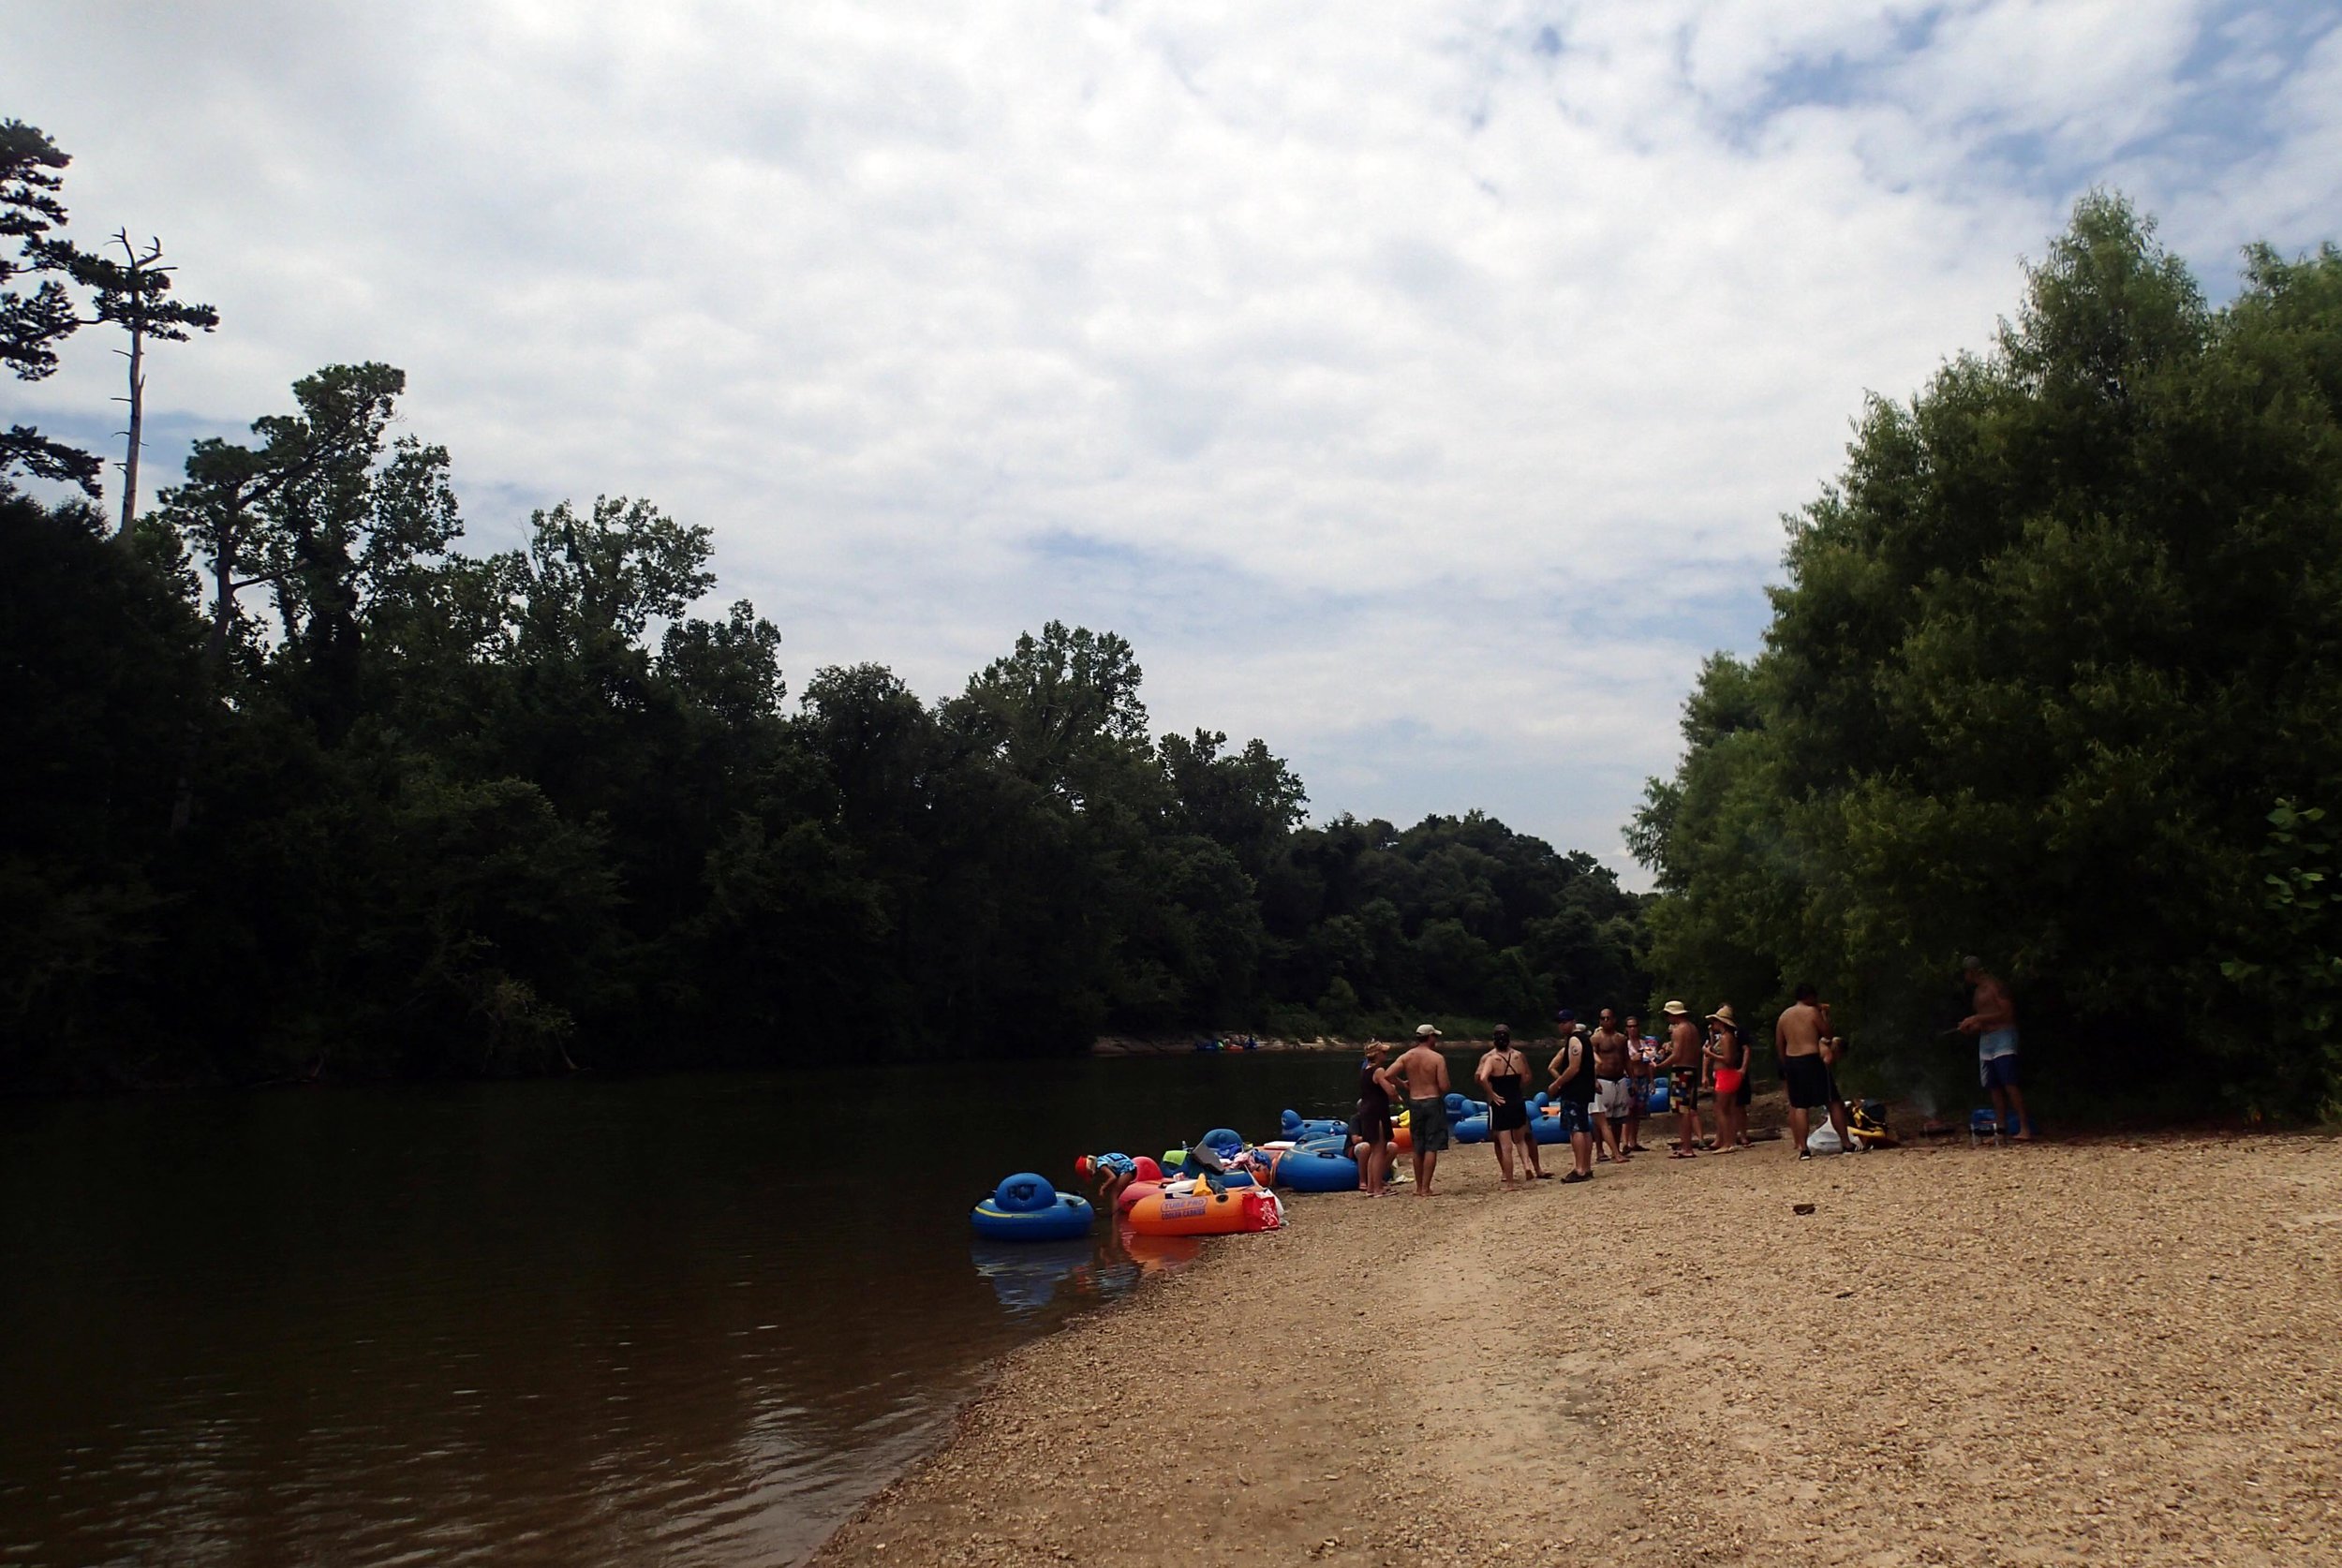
1999 1072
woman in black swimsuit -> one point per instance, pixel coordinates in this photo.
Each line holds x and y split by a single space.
1504 1074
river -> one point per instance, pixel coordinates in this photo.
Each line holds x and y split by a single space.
688 1321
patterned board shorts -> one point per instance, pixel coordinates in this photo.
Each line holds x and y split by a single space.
1683 1089
1576 1116
1615 1097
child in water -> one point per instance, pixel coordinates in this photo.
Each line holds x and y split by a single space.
1110 1172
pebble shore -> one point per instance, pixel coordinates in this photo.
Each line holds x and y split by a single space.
2117 1351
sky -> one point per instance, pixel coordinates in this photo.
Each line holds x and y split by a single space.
1419 387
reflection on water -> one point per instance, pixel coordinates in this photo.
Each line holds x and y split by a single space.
679 1321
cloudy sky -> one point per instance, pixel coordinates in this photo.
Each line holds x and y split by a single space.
1418 386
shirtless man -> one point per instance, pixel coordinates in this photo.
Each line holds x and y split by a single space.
1611 1098
1995 1025
1796 1039
1424 1071
1682 1064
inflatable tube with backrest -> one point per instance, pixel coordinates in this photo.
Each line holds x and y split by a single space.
1059 1216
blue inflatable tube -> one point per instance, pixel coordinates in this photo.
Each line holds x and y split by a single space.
1063 1219
1317 1173
1472 1129
1659 1101
1547 1129
1025 1208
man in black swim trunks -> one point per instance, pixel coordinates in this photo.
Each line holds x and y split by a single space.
1796 1039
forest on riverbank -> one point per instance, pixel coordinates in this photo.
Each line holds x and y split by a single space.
297 785
2054 679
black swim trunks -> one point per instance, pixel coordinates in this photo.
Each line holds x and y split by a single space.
1807 1080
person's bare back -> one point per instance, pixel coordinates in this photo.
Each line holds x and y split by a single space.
1685 1045
1799 1031
1425 1071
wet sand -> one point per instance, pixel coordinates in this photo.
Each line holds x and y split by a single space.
2123 1352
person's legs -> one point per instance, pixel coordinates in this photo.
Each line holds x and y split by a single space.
1582 1153
2000 1077
1635 1106
1503 1142
1687 1121
1799 1127
1425 1163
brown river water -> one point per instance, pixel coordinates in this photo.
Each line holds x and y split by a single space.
687 1321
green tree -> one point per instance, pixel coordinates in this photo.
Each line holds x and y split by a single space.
34 321
2069 620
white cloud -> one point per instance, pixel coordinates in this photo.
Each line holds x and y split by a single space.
1378 343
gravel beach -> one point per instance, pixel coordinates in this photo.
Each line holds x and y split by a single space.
2110 1352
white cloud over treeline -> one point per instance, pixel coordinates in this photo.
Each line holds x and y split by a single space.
1419 386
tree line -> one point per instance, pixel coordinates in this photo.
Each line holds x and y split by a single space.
2054 679
298 785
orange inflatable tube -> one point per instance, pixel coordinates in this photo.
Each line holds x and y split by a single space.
1205 1213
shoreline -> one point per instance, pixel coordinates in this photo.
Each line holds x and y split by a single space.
2066 1352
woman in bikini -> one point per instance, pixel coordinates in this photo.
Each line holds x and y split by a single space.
1728 1053
1504 1075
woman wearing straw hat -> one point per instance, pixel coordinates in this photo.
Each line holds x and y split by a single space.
1727 1056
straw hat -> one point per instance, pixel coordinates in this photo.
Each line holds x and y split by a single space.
1676 1010
1724 1015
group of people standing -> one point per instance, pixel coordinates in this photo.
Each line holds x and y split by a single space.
1598 1085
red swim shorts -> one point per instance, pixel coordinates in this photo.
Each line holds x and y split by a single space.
1727 1081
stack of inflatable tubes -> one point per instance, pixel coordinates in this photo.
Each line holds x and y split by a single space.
1203 1212
1230 1143
1025 1208
1293 1125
